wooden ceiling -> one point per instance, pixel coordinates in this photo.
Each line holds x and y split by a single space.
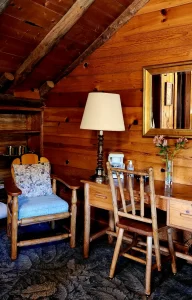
44 40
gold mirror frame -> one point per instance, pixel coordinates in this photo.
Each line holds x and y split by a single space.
147 99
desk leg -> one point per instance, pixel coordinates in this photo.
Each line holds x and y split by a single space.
111 226
86 222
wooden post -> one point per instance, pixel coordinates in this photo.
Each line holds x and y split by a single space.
54 187
171 250
148 266
14 228
116 252
87 212
111 226
46 87
73 218
5 81
154 219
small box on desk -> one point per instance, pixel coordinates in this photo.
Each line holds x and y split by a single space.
116 161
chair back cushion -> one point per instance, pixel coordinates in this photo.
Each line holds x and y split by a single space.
33 180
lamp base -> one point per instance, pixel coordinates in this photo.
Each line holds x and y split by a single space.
99 175
98 178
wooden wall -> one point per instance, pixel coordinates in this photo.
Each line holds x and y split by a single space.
17 128
160 33
10 122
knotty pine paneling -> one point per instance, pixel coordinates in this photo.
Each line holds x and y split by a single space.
102 82
79 99
161 4
160 33
27 10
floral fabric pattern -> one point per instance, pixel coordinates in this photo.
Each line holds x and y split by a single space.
33 180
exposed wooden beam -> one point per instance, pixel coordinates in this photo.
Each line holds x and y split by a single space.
128 13
3 5
6 99
52 38
46 87
5 81
23 93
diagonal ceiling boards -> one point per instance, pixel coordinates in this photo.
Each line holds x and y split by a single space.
52 38
3 5
61 28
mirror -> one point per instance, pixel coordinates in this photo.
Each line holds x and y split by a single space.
167 100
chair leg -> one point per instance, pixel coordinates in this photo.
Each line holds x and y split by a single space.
73 218
111 226
171 250
157 251
148 266
116 252
14 228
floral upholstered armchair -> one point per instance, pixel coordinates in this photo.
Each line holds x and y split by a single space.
32 199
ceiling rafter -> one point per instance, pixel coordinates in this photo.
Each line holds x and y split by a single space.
3 5
6 80
46 87
52 39
124 18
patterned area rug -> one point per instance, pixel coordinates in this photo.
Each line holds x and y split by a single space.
54 271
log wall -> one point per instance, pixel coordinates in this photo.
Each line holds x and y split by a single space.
160 33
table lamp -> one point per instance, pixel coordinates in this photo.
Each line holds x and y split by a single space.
102 112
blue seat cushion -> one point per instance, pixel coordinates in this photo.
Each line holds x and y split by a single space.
40 206
3 210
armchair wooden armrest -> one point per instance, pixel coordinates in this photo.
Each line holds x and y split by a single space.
71 183
11 188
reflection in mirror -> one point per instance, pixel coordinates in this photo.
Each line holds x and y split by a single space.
167 102
171 100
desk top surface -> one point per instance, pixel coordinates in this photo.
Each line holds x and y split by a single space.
178 191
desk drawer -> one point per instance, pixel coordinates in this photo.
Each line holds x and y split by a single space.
180 214
100 196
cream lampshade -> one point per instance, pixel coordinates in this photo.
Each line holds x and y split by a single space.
103 111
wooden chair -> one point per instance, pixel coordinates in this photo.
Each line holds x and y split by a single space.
46 212
132 216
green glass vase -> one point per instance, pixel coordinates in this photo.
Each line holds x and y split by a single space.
169 173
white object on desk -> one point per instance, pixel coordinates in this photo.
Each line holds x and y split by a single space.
116 161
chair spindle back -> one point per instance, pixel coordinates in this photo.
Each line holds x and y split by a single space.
132 204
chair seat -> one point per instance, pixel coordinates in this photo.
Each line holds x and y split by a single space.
3 210
141 227
41 206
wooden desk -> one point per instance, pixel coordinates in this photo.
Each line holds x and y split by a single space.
99 195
